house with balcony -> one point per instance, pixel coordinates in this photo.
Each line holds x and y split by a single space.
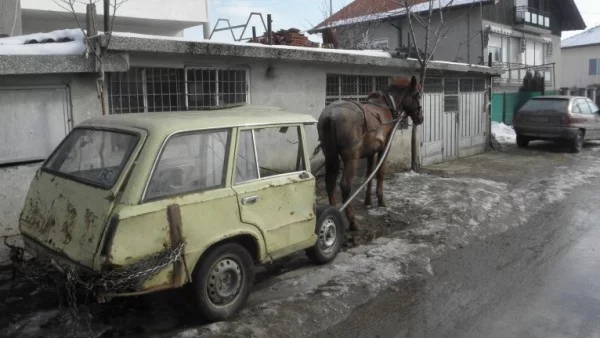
19 17
520 35
581 64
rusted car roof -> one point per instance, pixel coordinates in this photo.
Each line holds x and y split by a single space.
167 122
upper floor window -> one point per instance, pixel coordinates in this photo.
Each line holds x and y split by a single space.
594 67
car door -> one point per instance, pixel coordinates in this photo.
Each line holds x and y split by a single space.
585 118
596 114
275 191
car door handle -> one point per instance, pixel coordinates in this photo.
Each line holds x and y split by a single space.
250 200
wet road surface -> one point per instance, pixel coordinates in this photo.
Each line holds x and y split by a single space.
561 299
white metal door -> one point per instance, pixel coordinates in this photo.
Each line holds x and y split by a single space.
472 123
431 129
450 132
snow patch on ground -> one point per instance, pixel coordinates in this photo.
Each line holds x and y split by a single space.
16 45
503 133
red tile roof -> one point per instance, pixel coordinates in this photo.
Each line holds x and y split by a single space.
358 8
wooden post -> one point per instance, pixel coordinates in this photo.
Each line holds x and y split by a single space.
504 107
106 17
269 29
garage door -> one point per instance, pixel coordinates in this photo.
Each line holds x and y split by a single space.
34 121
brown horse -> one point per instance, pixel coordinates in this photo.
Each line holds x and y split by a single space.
353 131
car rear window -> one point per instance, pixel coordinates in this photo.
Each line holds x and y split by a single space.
92 156
555 105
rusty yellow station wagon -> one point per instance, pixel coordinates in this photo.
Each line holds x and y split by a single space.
136 203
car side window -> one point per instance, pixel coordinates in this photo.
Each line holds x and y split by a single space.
584 108
278 151
593 106
190 162
246 167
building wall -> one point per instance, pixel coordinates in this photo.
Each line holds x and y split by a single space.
10 18
176 10
135 16
14 180
575 69
461 43
293 86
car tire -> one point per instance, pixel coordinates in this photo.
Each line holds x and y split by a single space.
330 232
522 141
222 281
577 142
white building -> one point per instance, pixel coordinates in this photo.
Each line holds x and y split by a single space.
581 62
154 17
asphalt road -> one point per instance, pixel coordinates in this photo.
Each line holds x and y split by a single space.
562 297
541 279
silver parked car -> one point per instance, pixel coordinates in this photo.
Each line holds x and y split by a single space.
570 119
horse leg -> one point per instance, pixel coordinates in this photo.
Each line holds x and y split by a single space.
370 161
380 177
332 168
348 174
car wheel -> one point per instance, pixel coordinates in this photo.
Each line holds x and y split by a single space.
330 233
522 141
577 142
222 281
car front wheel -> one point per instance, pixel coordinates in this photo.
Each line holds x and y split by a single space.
222 281
330 233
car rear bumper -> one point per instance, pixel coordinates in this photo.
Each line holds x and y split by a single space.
546 132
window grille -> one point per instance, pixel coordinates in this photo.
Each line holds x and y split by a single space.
353 87
175 89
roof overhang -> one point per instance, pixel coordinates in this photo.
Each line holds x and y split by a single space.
571 17
122 47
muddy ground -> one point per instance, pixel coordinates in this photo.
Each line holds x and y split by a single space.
446 208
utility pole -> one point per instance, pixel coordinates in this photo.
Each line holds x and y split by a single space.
330 7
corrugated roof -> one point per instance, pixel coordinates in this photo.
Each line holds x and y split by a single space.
586 38
369 10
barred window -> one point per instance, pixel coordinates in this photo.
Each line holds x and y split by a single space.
472 85
434 85
174 89
450 95
353 87
212 88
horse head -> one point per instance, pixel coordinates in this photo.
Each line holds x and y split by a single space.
407 96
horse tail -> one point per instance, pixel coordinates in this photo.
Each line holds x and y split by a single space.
327 135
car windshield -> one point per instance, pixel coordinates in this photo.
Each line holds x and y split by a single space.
555 105
93 156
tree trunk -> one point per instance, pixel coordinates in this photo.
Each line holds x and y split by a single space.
415 163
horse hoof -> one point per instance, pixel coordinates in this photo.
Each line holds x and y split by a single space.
382 205
354 226
367 203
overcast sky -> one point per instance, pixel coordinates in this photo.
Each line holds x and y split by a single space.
304 14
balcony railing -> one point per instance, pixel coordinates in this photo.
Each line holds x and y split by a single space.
530 16
515 73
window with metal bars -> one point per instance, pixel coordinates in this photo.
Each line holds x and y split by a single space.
174 89
353 87
451 95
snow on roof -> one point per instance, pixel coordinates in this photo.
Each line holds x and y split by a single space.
349 15
588 37
370 52
60 42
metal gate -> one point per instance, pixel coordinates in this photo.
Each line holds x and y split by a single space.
455 119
